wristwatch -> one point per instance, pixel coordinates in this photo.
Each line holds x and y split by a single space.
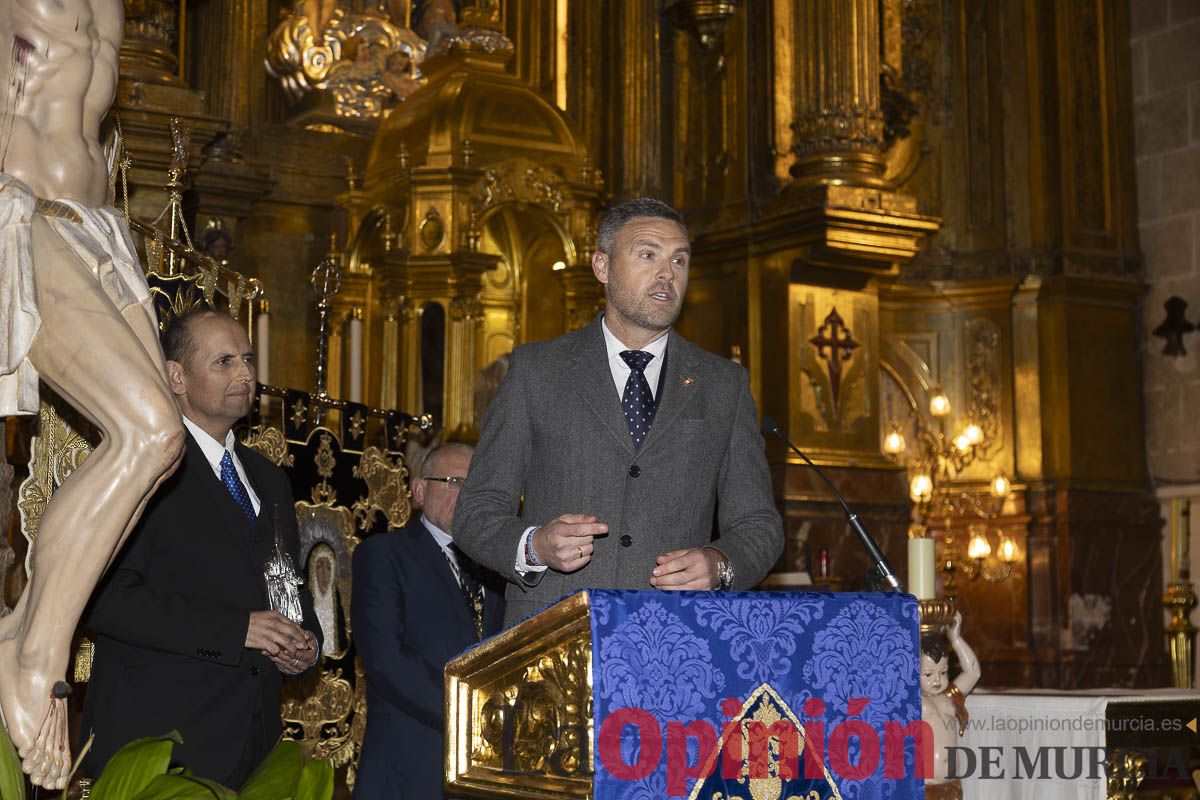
724 571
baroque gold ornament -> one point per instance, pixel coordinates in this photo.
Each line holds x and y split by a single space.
387 491
363 61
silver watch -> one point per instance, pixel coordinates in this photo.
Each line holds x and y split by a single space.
725 574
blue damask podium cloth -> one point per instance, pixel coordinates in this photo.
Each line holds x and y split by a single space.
679 676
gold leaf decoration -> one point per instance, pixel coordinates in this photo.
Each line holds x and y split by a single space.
269 443
387 490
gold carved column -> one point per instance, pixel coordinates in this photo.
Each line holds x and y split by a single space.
462 342
389 370
836 230
638 76
840 227
838 125
230 69
408 324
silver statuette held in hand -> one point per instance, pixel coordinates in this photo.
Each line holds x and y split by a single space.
283 582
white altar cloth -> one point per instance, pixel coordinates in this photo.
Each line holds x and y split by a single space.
1020 722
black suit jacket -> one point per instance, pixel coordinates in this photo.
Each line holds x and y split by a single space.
170 621
409 618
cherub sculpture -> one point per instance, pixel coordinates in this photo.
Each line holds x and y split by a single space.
944 703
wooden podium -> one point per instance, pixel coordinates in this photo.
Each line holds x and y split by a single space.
645 694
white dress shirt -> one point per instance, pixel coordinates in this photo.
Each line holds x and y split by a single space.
444 541
620 370
214 451
620 375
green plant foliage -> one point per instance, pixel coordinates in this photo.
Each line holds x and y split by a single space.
12 780
134 766
316 782
276 777
139 771
182 787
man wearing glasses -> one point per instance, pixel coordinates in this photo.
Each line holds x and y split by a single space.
417 602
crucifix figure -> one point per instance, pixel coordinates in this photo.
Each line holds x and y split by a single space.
78 315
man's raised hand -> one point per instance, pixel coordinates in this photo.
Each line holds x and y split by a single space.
565 544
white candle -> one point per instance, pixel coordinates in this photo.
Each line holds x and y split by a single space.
356 356
262 342
920 568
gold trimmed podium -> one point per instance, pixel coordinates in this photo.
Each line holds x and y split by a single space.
644 694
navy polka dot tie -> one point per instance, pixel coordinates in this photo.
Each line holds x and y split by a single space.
233 483
636 400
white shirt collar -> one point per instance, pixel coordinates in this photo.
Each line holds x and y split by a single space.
614 346
213 450
443 539
620 370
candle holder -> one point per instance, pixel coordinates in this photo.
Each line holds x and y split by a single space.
326 281
1180 599
935 614
943 701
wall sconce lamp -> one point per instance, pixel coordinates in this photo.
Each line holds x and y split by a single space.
981 560
933 462
939 403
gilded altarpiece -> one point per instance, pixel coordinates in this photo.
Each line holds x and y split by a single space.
902 142
493 201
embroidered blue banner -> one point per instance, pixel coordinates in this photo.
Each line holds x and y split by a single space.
745 696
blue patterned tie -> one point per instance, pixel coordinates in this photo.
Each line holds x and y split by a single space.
636 400
233 483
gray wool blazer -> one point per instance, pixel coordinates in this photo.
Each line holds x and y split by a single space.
555 435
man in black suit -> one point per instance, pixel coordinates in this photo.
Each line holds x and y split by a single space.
417 602
184 637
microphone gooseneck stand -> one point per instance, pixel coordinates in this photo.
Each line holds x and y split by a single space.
880 576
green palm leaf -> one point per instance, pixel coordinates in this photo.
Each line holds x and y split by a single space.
316 781
134 766
12 780
275 778
183 787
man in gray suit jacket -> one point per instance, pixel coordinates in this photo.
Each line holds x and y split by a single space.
623 439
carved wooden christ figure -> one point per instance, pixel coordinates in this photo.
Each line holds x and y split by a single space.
75 312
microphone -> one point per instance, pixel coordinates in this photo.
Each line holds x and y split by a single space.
881 568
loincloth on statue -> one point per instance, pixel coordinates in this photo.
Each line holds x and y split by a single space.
950 790
99 237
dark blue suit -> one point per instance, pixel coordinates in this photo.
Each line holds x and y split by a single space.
409 618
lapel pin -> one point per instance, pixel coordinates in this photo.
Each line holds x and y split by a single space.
688 381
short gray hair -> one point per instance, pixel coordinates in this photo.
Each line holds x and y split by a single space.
638 207
433 456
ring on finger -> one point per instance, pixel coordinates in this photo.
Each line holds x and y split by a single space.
580 550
